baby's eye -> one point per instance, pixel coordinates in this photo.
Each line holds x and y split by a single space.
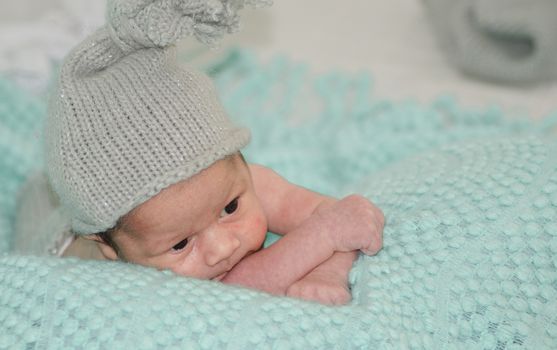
180 245
230 207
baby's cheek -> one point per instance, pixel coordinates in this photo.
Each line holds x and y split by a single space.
259 229
189 268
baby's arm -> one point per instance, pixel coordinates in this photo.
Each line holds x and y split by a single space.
315 227
328 282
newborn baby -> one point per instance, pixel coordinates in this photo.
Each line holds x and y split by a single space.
212 226
147 166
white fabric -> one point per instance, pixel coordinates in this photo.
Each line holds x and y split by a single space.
30 48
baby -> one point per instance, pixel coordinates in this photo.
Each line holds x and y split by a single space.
147 165
212 226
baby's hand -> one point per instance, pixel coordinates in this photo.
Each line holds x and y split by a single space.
354 223
321 287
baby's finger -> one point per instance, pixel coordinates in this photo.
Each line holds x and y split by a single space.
376 243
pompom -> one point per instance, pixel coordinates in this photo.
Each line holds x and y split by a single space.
136 24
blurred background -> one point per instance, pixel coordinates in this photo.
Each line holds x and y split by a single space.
404 44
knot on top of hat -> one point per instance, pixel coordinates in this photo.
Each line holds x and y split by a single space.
136 24
133 25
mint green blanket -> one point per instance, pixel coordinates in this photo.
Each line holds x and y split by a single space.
470 249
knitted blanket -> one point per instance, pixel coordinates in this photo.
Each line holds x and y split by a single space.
470 246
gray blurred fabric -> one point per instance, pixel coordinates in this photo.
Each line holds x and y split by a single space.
507 41
41 226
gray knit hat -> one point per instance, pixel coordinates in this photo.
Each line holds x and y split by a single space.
126 121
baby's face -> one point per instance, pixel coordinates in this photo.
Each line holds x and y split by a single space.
200 227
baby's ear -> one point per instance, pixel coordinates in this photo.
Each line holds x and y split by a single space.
106 249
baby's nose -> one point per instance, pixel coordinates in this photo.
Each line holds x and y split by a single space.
221 247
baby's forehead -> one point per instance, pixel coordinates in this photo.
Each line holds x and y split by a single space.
192 195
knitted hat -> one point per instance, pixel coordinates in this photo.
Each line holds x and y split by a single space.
126 121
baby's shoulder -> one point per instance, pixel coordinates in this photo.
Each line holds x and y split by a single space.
262 171
266 178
